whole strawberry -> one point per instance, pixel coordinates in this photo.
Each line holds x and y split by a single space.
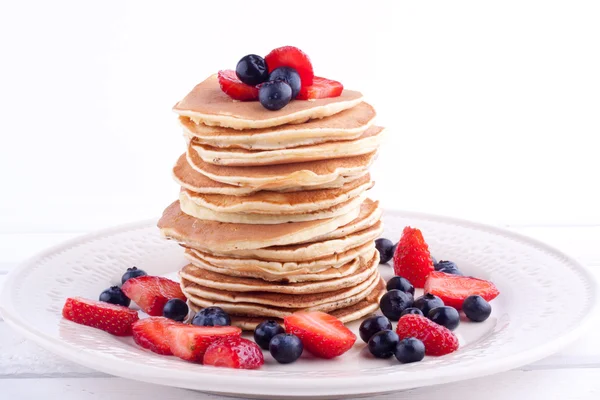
438 340
412 259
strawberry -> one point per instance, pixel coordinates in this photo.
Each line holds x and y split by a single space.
290 56
234 352
320 89
454 289
114 319
151 293
190 342
234 88
412 259
438 339
322 334
151 334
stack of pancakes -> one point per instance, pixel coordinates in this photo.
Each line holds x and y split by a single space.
273 213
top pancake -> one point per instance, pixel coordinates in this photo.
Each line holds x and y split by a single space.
207 104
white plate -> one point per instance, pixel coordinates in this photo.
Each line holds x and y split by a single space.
533 317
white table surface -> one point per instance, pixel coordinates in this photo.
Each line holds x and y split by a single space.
29 372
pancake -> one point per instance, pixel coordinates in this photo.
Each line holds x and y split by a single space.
272 177
207 104
368 142
282 203
345 125
194 210
217 281
221 237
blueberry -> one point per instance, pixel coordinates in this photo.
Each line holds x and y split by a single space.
476 308
132 273
265 331
286 348
447 266
114 295
373 325
288 75
410 350
383 344
252 70
402 284
175 309
385 247
445 316
394 302
427 302
411 310
274 95
211 316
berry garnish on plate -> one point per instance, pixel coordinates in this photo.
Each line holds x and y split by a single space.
114 295
410 350
190 342
133 272
234 88
320 89
394 302
211 316
114 319
411 310
290 56
445 316
383 344
252 70
373 325
438 340
234 352
265 331
286 348
385 247
400 283
412 259
427 302
476 308
151 293
151 334
274 95
322 334
288 75
454 289
447 266
176 309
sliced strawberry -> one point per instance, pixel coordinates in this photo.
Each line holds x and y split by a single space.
412 259
438 339
151 293
320 89
234 352
234 88
190 342
322 334
114 319
454 289
151 334
290 56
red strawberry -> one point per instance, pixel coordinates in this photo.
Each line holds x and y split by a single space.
234 352
190 342
322 334
412 259
290 56
151 293
111 318
438 339
234 88
151 334
454 289
320 89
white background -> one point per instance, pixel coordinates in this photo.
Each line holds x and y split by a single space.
492 108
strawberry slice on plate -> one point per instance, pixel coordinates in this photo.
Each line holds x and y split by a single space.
322 334
438 339
290 56
454 289
114 319
189 342
151 334
234 352
151 293
412 259
234 88
320 89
